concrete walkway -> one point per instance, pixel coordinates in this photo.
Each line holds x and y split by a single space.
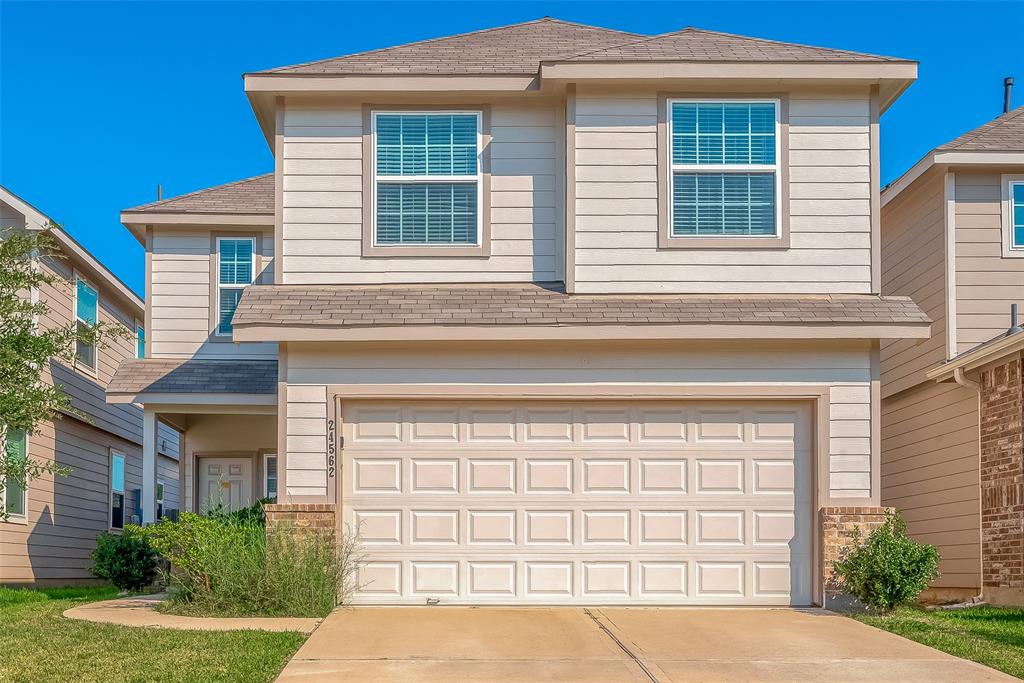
612 645
141 611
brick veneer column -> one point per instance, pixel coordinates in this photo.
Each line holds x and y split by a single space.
1002 483
837 534
301 517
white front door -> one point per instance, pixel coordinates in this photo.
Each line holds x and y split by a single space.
584 502
225 482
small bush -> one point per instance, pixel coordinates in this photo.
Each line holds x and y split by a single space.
228 565
127 559
889 569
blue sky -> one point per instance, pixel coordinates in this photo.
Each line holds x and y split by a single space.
100 102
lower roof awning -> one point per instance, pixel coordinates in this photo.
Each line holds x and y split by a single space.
194 381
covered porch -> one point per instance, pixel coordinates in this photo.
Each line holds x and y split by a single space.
227 414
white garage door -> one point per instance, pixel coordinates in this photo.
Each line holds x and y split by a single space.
596 502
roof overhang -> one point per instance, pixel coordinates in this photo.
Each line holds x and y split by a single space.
224 402
945 159
638 332
978 357
136 221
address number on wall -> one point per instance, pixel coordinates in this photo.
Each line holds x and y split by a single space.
332 450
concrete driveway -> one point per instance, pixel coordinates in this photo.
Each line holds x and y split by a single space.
609 645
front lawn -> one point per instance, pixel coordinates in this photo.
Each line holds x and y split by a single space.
993 636
38 644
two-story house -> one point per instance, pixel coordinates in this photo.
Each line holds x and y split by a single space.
549 313
953 405
51 525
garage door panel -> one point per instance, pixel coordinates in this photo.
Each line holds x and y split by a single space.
548 503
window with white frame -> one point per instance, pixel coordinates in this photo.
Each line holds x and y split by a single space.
140 340
1016 217
117 490
725 168
14 496
159 499
235 271
270 476
86 316
427 178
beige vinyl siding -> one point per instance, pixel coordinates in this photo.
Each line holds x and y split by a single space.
617 197
323 182
180 297
845 367
986 282
930 472
913 264
65 514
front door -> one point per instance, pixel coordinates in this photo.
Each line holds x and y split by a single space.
225 483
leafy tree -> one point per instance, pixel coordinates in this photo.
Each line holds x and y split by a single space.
27 397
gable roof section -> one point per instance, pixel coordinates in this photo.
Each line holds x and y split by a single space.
520 48
697 45
1005 133
247 196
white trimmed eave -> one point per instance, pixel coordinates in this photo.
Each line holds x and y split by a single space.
136 221
211 402
981 356
248 333
948 158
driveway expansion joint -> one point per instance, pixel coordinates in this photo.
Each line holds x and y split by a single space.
629 653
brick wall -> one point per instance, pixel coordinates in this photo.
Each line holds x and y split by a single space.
838 526
303 517
1002 483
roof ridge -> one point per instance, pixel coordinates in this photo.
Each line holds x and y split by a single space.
162 202
426 41
629 42
988 126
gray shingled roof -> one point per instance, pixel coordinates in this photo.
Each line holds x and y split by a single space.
697 45
343 306
520 48
192 376
1004 133
248 196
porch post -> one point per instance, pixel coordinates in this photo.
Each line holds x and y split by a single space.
149 429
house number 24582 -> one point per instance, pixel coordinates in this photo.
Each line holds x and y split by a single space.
332 451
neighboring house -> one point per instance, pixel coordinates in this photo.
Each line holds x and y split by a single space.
52 526
550 313
952 453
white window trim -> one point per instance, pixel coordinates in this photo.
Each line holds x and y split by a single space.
1007 183
161 491
112 491
13 518
776 168
266 491
478 178
91 371
216 270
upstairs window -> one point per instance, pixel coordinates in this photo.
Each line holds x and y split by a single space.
14 496
1017 215
86 305
427 178
234 272
117 514
140 340
725 169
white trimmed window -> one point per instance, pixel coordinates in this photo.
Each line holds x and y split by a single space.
14 496
725 168
235 271
117 490
86 316
427 178
1015 215
270 476
140 340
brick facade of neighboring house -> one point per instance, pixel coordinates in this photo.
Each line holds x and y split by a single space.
1002 481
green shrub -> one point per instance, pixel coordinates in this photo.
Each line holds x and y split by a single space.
228 565
127 559
889 569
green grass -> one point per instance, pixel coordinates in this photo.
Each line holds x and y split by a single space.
993 636
38 644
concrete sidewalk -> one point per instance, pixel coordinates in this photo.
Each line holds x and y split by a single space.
141 611
612 645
